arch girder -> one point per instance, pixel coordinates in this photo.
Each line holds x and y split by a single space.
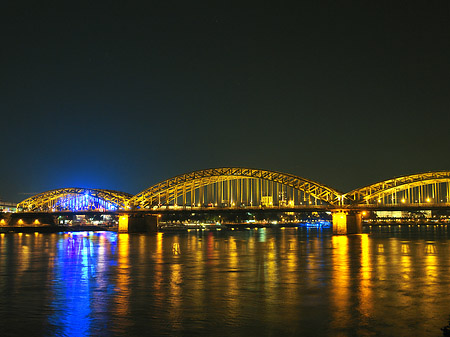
374 191
120 199
197 179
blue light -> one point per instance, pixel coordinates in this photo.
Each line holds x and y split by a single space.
316 224
83 202
80 283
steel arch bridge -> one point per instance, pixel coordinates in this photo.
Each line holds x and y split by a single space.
429 187
76 199
234 185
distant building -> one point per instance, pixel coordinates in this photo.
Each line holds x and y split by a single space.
282 198
267 200
8 207
403 214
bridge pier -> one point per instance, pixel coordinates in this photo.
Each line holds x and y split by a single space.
346 222
138 223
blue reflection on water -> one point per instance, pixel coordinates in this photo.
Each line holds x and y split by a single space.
79 269
316 224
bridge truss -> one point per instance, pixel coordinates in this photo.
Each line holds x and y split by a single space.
234 187
422 188
76 199
239 187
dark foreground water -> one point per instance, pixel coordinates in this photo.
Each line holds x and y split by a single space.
268 282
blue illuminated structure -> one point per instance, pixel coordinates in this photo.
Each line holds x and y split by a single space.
76 199
83 202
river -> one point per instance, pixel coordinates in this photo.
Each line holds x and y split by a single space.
390 281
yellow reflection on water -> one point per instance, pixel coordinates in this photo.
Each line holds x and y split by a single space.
158 269
175 298
269 273
406 272
433 288
176 249
365 289
340 283
380 248
430 248
406 249
159 247
380 262
197 294
23 257
272 270
142 248
406 283
233 295
292 262
431 270
290 277
123 274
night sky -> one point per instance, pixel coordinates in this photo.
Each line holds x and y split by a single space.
121 96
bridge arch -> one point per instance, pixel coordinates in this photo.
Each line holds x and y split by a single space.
429 187
74 198
220 182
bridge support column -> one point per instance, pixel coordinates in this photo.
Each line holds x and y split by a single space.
138 223
346 222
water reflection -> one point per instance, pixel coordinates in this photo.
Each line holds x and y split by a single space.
253 282
122 290
340 277
71 286
365 280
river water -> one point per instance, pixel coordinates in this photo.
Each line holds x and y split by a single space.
266 282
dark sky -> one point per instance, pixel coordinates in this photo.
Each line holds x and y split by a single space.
122 96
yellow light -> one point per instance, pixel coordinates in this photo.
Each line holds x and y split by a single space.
428 199
20 222
36 222
403 200
123 224
379 200
364 213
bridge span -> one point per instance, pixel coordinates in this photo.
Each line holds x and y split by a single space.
246 189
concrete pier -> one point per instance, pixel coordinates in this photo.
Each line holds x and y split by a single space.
138 223
346 222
